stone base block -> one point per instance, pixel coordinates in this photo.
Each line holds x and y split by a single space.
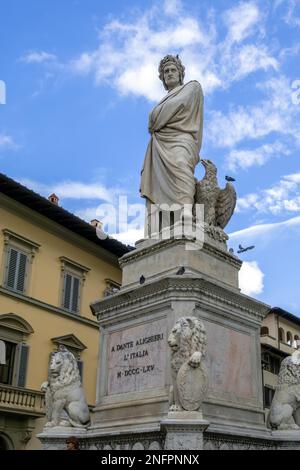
184 432
158 259
178 431
55 438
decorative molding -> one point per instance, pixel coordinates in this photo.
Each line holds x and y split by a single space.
163 244
11 237
70 265
48 307
69 341
223 442
188 287
15 322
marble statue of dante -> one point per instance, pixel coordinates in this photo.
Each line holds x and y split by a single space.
175 125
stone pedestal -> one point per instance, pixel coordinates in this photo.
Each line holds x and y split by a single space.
55 438
134 375
134 370
184 431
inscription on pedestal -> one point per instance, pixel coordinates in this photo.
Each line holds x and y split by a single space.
137 358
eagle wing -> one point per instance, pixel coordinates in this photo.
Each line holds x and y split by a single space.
225 205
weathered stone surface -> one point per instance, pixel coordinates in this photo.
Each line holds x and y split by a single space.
192 386
137 358
187 341
230 360
184 434
159 259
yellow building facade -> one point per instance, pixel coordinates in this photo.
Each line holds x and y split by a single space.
52 266
279 334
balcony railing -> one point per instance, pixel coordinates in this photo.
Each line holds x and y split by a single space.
21 400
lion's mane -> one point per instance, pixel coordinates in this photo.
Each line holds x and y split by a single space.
68 373
190 336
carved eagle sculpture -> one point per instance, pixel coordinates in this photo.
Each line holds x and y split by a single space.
219 204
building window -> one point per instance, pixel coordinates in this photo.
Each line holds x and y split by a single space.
7 367
71 292
268 396
14 332
73 277
289 338
271 363
16 270
18 254
281 334
264 330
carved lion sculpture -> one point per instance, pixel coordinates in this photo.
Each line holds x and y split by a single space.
64 392
285 407
187 341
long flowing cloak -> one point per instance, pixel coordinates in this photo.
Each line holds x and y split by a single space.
175 125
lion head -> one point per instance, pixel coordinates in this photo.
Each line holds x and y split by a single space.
289 373
63 369
187 336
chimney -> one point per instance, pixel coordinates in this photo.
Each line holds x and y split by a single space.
96 223
54 199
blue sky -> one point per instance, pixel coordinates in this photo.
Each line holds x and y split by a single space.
81 79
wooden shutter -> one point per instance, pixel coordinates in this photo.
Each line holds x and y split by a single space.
2 352
75 294
16 270
80 368
67 291
23 350
12 268
21 275
71 293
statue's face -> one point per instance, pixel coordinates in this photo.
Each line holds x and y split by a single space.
171 75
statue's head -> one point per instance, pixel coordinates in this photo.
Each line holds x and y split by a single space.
171 71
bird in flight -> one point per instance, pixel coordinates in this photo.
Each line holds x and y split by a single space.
243 249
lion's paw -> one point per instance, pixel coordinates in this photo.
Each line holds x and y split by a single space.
175 408
51 424
195 359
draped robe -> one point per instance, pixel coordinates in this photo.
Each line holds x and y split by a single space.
175 125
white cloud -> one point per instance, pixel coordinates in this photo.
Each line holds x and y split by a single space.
274 114
260 230
129 237
282 197
7 143
241 20
74 190
129 52
291 17
258 156
172 7
251 278
38 57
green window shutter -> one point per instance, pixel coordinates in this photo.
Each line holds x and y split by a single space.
80 368
23 362
21 275
16 270
12 268
71 292
75 294
67 291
